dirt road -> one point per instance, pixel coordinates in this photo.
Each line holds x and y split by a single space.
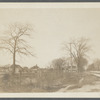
85 88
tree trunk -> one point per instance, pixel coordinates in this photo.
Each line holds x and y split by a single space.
78 66
14 57
14 62
13 70
20 78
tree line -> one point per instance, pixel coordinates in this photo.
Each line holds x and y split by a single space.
14 41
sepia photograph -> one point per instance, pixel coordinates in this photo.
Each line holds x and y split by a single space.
49 48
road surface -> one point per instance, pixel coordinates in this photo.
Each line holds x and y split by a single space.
85 88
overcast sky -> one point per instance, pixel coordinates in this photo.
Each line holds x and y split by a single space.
53 26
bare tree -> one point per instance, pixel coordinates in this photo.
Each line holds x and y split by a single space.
58 63
14 41
77 50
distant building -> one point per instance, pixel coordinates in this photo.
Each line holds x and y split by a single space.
34 69
18 69
70 68
4 70
25 70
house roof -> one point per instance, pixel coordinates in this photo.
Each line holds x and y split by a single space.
16 66
35 67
